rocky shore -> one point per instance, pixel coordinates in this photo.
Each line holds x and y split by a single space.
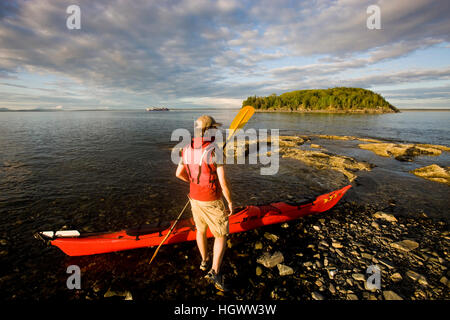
320 257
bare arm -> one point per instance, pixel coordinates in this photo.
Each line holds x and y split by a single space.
225 188
181 172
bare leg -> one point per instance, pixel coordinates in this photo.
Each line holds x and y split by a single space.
219 250
202 243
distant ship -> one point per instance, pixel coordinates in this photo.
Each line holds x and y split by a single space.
157 109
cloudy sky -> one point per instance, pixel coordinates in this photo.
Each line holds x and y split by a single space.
205 53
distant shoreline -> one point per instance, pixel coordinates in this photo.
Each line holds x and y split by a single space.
257 110
431 110
359 111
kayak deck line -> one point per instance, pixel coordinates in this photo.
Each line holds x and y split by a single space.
74 243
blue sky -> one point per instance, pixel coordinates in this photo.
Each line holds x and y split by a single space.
200 53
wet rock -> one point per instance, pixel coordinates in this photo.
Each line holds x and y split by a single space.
384 216
391 295
345 165
434 173
270 261
403 152
284 270
405 245
258 271
285 225
258 245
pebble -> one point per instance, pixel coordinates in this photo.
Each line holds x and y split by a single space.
375 225
391 295
396 277
316 296
258 271
317 228
270 236
284 270
445 281
125 294
332 289
417 277
336 245
352 296
405 245
258 245
366 256
358 277
270 261
384 216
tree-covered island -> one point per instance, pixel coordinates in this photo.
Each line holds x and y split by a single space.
333 100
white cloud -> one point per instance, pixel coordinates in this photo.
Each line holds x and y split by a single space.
192 50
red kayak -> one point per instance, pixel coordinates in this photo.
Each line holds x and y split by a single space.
73 243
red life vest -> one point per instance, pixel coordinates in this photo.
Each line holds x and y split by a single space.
201 169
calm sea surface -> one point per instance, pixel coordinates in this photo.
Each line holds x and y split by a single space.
106 170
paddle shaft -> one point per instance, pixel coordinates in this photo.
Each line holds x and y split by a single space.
168 233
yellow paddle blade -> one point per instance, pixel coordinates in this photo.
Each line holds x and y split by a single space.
241 119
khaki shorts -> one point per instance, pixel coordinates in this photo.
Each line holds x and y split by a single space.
210 214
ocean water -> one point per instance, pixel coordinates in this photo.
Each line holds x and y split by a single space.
107 170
